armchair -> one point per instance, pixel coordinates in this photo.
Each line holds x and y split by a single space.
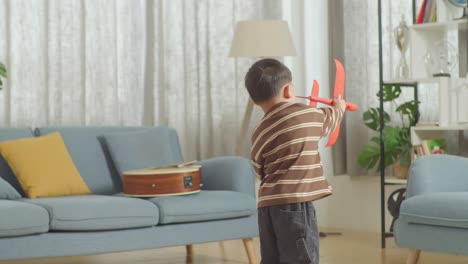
434 216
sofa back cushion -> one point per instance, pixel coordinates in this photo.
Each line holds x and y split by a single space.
146 148
7 192
6 173
43 166
91 156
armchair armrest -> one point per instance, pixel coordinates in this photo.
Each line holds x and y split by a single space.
438 173
228 173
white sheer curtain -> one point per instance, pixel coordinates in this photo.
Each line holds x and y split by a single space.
310 28
128 62
360 40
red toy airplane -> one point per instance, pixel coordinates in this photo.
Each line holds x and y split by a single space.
338 91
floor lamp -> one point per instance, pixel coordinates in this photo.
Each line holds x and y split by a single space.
259 39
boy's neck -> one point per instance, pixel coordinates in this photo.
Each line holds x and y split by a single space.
266 106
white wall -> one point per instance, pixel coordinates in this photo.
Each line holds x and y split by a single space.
355 204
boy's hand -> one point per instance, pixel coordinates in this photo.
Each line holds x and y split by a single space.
340 103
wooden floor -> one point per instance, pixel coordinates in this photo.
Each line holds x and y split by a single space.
351 247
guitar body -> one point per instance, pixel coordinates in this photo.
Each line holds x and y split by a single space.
162 182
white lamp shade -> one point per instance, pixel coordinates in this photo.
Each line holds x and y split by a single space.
262 38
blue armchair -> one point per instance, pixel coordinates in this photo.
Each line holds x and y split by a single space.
434 216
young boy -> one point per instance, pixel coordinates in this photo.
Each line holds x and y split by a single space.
286 159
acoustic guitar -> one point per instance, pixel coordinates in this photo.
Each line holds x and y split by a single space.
152 182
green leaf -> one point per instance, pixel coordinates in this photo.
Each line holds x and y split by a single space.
369 156
3 71
376 140
3 74
405 158
408 110
391 92
391 138
372 118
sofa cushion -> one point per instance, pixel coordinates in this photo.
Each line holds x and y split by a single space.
146 148
439 209
5 170
43 166
204 206
98 212
19 218
7 191
91 156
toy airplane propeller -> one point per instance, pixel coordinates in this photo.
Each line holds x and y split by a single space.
338 91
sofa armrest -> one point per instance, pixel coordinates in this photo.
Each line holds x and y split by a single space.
438 173
228 173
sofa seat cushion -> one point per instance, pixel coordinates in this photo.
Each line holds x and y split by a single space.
204 206
19 219
439 209
98 212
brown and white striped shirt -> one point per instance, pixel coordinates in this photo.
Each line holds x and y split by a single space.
285 153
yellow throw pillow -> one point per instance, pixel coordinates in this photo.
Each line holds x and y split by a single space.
43 166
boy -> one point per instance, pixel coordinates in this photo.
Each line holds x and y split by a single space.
286 159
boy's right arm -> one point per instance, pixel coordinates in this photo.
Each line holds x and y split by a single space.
333 116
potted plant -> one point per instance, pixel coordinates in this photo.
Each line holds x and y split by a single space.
396 137
3 74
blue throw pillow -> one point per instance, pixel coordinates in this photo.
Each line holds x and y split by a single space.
142 149
7 191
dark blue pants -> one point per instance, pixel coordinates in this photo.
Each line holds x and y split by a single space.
289 234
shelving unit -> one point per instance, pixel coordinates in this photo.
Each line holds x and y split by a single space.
451 25
425 37
454 133
422 39
391 180
420 133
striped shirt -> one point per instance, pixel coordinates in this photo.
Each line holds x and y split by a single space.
285 153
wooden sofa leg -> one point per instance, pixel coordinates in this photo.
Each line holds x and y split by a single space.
249 248
413 256
189 257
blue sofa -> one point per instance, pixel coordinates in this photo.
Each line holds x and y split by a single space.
107 221
434 216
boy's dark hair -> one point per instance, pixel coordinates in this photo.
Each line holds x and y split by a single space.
265 79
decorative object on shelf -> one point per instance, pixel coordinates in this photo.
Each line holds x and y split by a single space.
400 171
434 146
461 4
441 59
3 74
401 36
396 138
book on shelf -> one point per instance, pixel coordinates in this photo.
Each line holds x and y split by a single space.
430 147
427 12
420 17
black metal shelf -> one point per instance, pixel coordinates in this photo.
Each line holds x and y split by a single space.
402 83
382 83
